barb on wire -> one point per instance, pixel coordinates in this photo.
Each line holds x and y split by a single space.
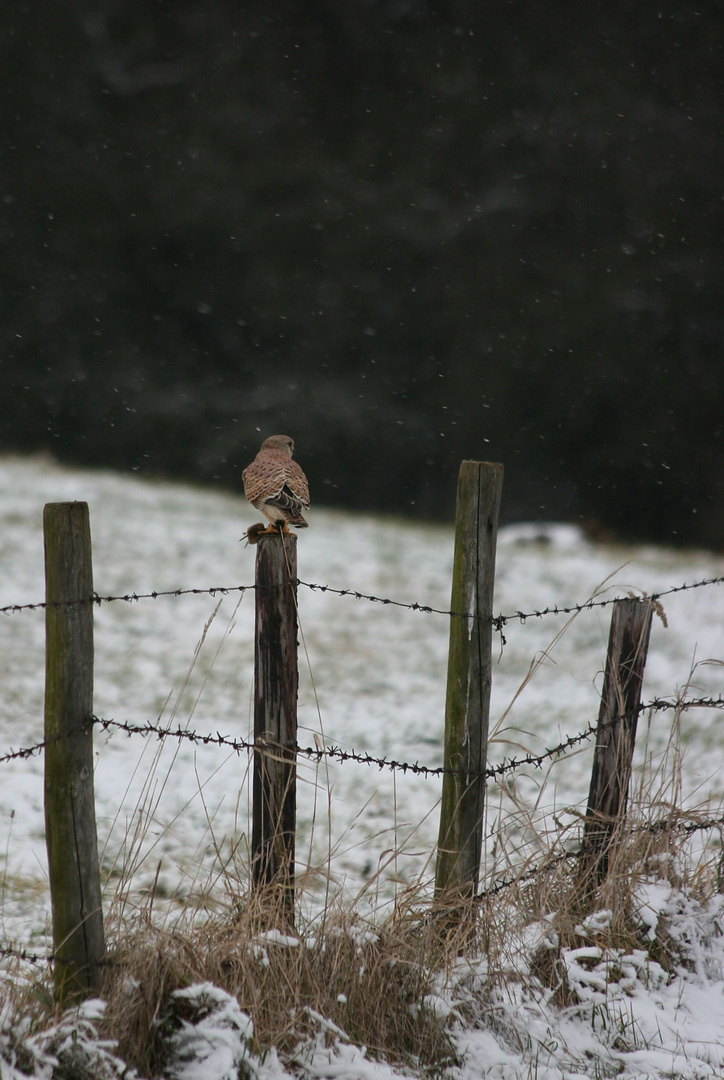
24 752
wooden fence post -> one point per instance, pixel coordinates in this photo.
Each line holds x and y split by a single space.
70 824
276 683
467 705
628 645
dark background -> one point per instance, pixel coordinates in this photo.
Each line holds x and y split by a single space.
404 233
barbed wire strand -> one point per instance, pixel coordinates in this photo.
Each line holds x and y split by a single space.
363 758
498 621
23 954
49 958
675 823
129 598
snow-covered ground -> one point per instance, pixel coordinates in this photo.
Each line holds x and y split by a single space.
372 679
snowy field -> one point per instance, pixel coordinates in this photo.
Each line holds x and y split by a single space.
372 679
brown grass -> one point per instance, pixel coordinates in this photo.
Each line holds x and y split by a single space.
374 982
371 982
340 976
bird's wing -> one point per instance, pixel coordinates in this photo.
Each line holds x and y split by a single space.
296 483
264 478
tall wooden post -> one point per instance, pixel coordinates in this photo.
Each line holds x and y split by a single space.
70 824
628 645
276 683
467 706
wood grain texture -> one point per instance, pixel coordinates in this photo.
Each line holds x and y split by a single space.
276 682
616 736
467 705
70 824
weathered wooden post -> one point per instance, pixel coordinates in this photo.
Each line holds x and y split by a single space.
276 683
628 645
467 706
70 823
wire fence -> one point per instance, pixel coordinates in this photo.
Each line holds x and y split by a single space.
676 821
497 621
318 753
673 823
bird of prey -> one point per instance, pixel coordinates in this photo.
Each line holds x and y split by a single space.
276 485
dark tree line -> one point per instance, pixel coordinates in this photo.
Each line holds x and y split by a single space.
402 232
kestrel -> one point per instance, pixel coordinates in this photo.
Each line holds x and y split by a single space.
276 485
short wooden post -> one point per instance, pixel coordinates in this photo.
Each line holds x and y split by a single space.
628 645
70 824
276 683
467 706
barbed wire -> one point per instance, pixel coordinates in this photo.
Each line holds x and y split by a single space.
36 748
672 823
386 601
555 752
129 598
364 758
659 704
415 768
502 884
49 958
336 752
497 621
25 752
677 823
23 954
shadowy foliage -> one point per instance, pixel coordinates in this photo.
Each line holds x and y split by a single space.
406 232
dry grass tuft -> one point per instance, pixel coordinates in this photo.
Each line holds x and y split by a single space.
369 981
571 914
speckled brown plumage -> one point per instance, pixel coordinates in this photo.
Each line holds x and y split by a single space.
276 485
